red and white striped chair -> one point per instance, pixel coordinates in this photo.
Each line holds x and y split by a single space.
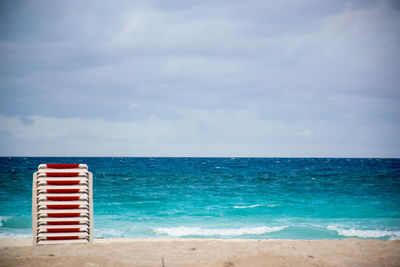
62 204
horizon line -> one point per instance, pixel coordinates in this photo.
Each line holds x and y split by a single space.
255 157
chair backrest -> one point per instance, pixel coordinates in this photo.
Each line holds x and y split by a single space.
62 204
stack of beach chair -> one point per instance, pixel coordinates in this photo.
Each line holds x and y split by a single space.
62 205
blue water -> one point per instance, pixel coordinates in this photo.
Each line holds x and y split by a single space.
223 197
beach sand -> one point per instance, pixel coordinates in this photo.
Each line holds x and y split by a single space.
203 252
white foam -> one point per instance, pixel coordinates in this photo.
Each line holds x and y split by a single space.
364 233
197 231
4 219
15 235
256 205
246 207
108 233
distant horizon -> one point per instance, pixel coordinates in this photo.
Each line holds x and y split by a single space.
240 157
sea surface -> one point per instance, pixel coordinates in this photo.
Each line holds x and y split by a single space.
277 198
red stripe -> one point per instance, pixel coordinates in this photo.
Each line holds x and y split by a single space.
62 166
63 223
57 230
63 198
61 237
62 174
63 214
63 182
62 206
62 190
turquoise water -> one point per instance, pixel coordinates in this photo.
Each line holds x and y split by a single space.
223 197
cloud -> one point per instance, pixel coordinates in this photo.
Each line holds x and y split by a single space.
196 133
306 133
192 67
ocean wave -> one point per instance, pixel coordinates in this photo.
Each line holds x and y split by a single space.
246 207
197 231
16 222
101 233
14 235
3 220
256 205
364 233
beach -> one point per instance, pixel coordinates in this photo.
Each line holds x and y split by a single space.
216 212
203 252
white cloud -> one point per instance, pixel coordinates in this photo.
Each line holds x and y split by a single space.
306 133
195 133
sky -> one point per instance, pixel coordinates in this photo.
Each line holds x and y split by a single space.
299 78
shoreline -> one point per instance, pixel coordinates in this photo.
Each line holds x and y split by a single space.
203 252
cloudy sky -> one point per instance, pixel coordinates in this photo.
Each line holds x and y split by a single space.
292 78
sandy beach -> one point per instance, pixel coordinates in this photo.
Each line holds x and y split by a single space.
203 252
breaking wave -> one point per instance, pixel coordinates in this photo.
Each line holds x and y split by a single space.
197 231
364 233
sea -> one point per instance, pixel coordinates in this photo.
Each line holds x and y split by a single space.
256 198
